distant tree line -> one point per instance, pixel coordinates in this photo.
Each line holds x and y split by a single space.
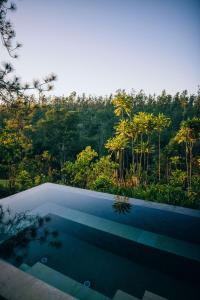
128 143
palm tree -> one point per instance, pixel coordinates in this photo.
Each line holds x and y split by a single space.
116 145
189 133
143 126
122 104
161 122
148 149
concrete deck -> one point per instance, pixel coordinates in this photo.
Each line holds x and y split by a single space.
17 285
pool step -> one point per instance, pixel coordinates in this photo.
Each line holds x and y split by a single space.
73 287
64 283
150 296
18 285
146 238
24 267
120 295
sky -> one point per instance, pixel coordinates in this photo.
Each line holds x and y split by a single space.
99 46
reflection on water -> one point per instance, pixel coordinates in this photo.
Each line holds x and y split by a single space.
121 205
20 229
95 257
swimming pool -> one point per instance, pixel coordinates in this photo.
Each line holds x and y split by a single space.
147 246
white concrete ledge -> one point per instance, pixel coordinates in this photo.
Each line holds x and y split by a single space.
17 285
39 191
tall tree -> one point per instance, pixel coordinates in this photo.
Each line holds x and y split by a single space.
161 122
122 104
188 134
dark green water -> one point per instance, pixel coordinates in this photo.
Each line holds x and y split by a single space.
112 263
108 261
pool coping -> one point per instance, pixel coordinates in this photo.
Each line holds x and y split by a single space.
106 196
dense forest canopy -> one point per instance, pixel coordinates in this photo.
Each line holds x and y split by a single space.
130 144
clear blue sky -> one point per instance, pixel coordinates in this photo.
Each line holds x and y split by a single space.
99 46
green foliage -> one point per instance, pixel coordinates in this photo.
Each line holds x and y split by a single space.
102 183
24 180
82 166
77 173
178 178
104 166
122 103
85 157
43 141
39 179
68 172
163 193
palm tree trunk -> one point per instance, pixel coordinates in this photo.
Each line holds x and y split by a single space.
122 164
147 162
167 170
187 167
159 156
132 151
140 154
190 171
137 158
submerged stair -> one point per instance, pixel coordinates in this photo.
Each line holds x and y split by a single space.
161 242
69 285
62 282
18 285
150 296
76 289
120 295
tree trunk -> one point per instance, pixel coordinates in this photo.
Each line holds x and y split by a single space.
132 151
147 162
190 171
141 154
137 159
187 167
159 156
167 170
122 163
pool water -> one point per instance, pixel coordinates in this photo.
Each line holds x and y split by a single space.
112 260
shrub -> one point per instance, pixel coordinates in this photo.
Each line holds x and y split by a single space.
102 184
178 178
24 180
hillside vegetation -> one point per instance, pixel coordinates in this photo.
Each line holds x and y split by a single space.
129 144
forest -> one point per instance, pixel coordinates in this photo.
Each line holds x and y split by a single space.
131 144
